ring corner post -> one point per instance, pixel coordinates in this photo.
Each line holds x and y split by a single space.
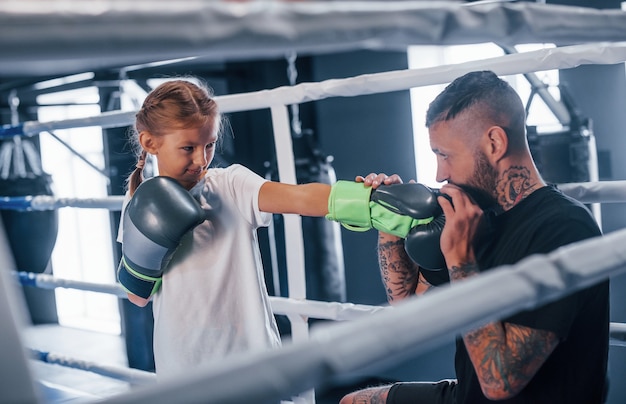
17 384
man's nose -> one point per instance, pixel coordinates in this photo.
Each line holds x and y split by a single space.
442 174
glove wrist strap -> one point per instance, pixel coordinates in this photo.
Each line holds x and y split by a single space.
349 204
136 283
392 223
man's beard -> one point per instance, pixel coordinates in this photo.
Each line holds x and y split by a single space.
482 183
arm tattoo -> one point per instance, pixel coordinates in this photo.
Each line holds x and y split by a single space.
507 356
375 395
400 275
464 270
514 185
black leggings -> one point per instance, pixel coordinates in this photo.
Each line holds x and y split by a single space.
443 392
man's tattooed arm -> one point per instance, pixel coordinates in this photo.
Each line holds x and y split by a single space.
400 275
507 356
463 270
371 395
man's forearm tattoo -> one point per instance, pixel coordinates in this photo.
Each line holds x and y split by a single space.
464 270
400 275
509 354
370 396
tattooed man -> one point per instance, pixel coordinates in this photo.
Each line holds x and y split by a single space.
498 211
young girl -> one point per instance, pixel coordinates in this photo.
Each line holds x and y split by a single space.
212 301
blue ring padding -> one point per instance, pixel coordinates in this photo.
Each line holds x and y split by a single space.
39 355
43 356
16 203
27 279
12 130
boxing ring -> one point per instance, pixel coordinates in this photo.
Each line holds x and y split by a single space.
313 360
359 340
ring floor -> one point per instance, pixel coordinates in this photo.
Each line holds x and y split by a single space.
70 385
99 348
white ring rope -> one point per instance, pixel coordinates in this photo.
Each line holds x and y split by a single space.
311 309
596 192
518 63
35 36
280 305
47 202
130 375
618 334
585 192
46 281
409 329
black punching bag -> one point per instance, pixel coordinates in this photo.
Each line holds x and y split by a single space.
31 234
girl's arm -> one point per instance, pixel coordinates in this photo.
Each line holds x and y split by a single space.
304 199
138 301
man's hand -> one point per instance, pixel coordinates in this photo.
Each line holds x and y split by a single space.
463 218
374 180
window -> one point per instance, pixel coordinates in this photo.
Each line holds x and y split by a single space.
83 249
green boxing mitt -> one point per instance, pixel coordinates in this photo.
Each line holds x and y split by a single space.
393 209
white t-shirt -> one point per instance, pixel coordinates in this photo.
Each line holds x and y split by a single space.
213 301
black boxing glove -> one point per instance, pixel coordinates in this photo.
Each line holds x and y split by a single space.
422 244
412 199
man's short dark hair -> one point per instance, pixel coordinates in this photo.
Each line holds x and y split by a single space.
495 98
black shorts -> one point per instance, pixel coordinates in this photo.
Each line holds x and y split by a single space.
443 392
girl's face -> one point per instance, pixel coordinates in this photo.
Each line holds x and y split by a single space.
183 154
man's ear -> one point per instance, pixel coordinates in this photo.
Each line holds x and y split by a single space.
148 142
498 143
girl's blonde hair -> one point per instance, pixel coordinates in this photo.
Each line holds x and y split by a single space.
175 104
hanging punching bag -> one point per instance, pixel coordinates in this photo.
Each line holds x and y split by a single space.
323 251
32 234
325 274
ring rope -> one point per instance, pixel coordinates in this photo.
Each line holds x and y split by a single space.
130 375
314 309
46 202
585 192
46 281
415 327
596 192
280 305
517 63
617 333
229 30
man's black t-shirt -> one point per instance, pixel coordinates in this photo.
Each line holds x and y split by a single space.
576 371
